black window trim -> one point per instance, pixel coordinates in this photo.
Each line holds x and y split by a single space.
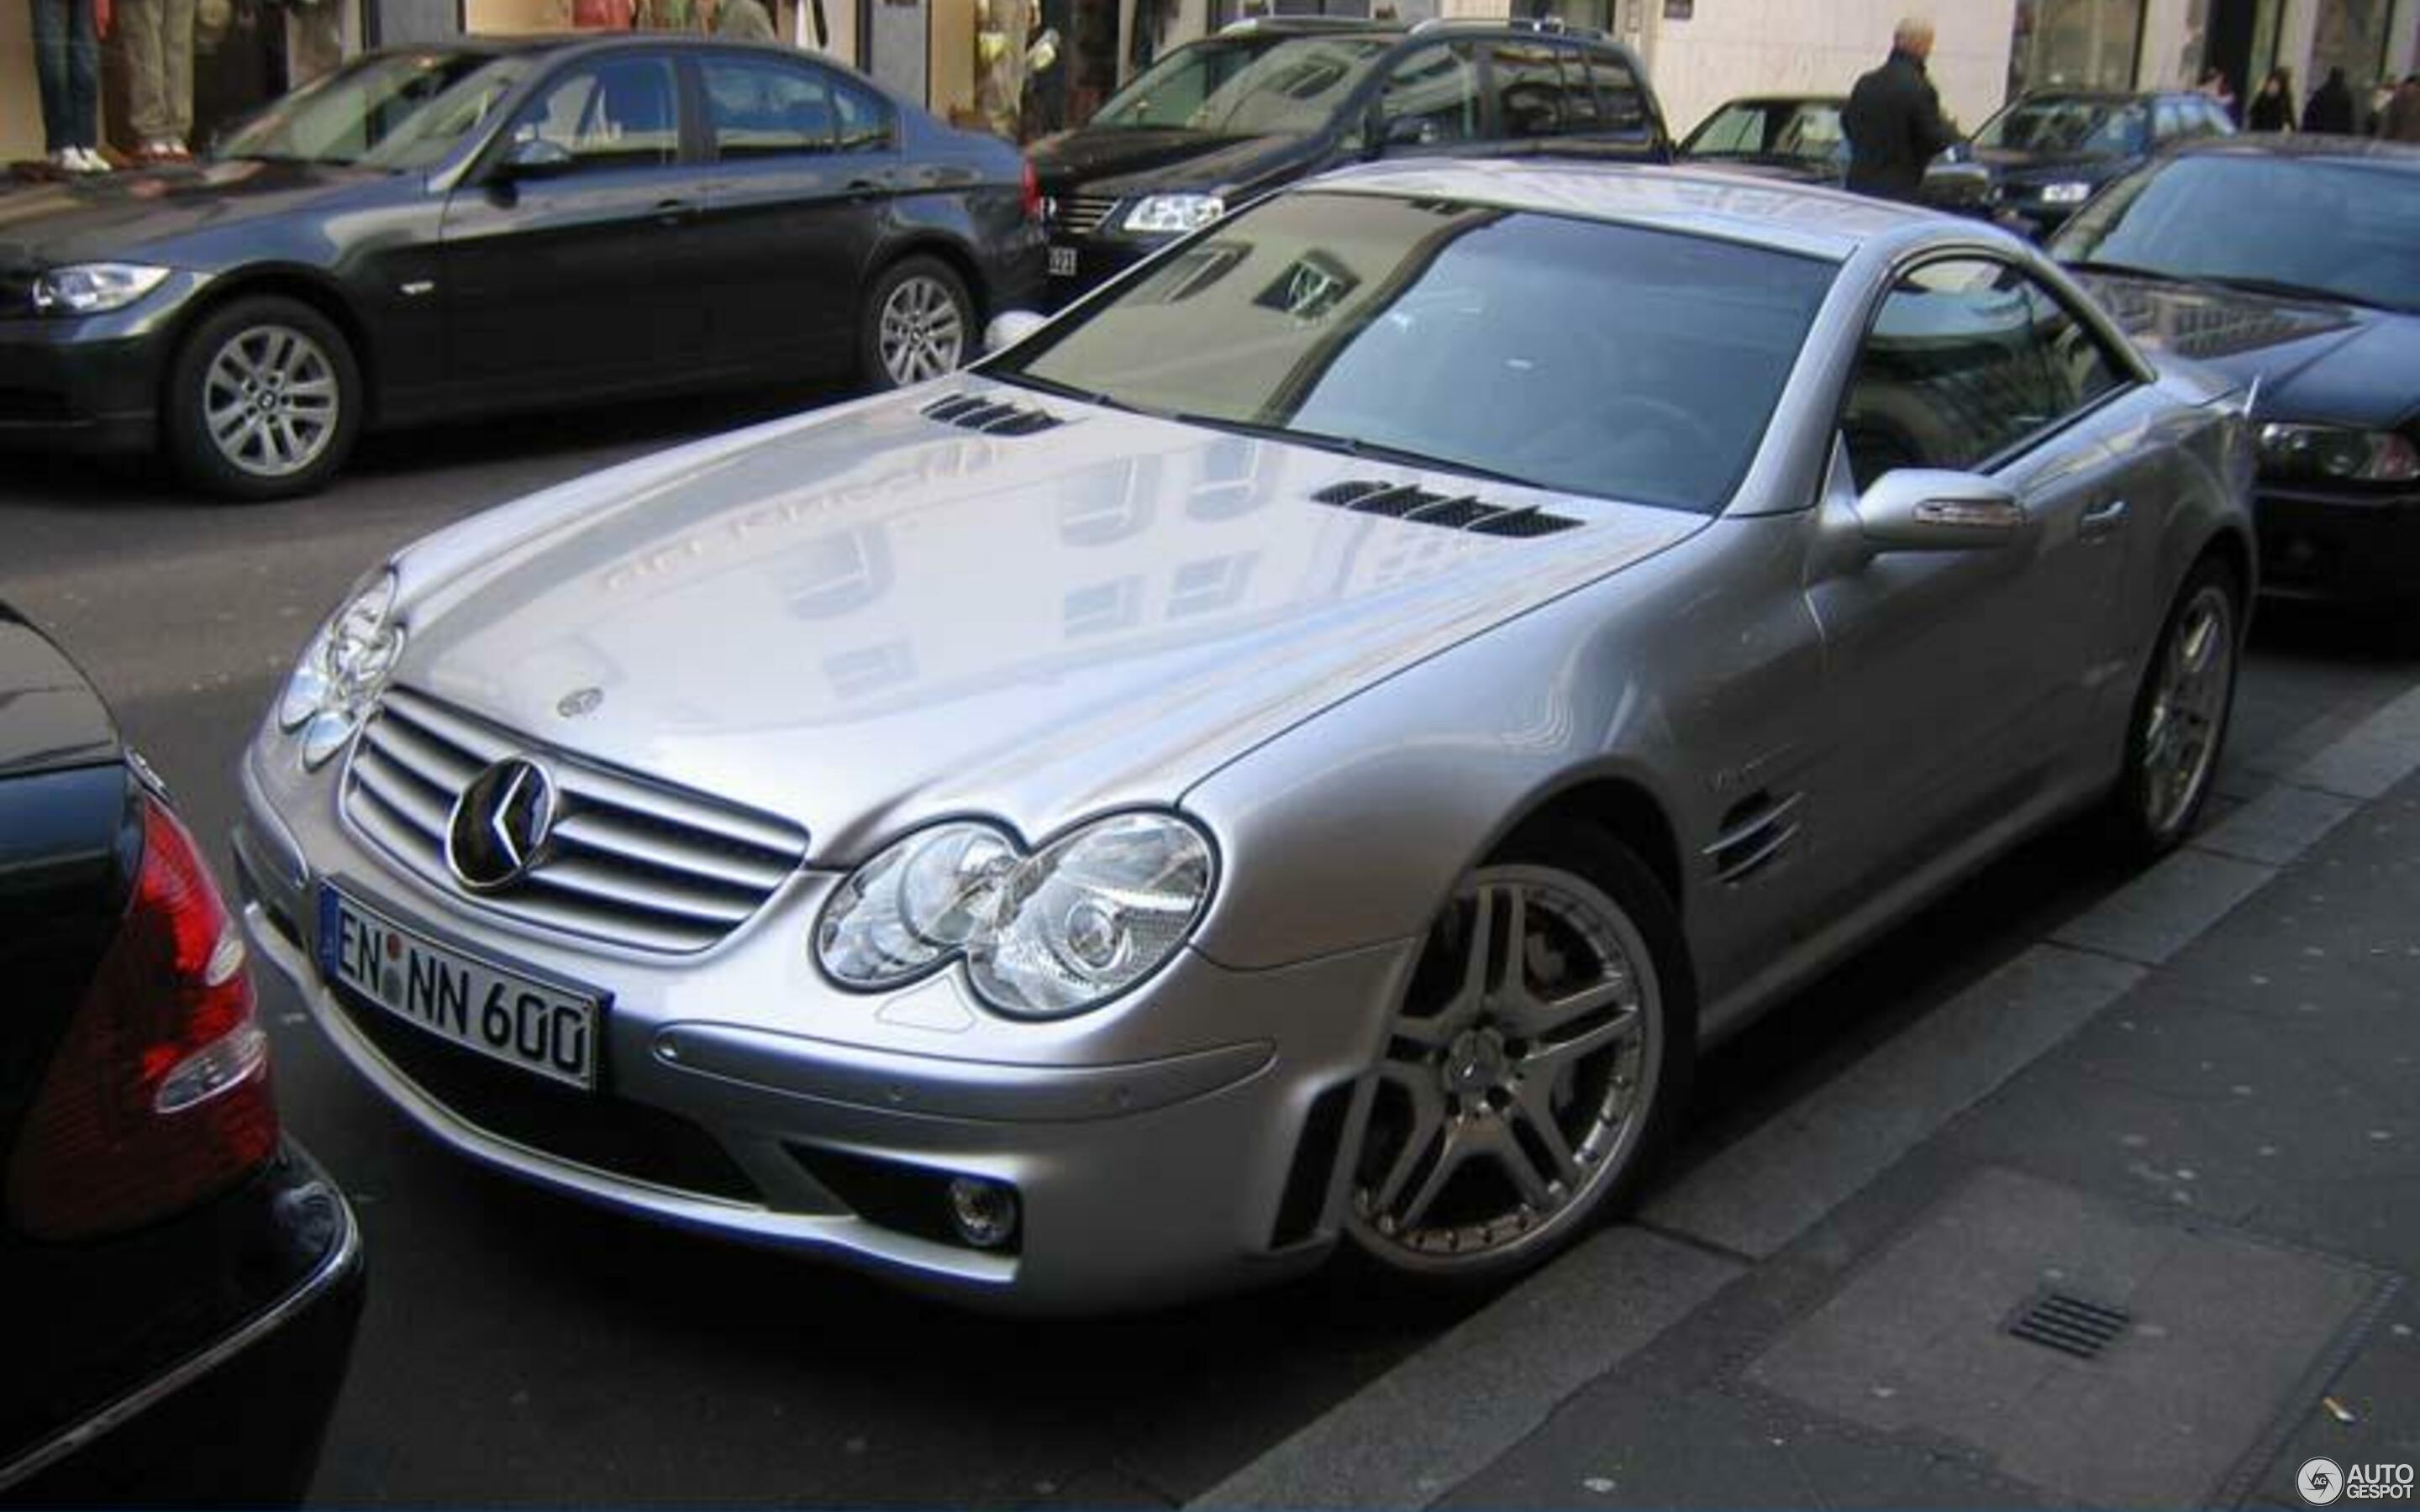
2132 372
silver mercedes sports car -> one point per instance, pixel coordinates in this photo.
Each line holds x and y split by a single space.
1306 746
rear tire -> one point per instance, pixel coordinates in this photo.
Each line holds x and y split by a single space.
918 324
2178 728
1534 1072
263 400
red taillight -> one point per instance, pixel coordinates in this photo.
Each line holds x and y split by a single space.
158 1095
1032 195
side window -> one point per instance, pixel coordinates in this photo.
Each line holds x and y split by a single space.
864 117
2079 368
1620 103
758 108
1431 99
1529 84
1950 375
618 113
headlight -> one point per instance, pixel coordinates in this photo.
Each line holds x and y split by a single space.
2065 193
1055 933
2335 453
1163 213
93 288
341 671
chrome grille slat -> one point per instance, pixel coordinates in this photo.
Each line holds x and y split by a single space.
1081 215
628 861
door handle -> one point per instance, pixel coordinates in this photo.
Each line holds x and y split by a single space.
675 211
2096 523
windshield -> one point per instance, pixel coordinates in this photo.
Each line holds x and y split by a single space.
2184 218
1571 354
2068 128
1245 85
1806 130
392 110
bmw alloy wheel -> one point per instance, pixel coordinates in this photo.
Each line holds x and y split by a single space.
923 333
270 401
1518 1077
2188 714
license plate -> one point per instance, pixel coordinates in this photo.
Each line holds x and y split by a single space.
499 1012
1062 262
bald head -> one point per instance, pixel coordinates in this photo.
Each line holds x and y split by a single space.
1914 38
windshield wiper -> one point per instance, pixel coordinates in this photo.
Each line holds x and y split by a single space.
2129 271
1352 446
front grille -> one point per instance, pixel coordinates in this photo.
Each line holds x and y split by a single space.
628 861
1081 215
597 1130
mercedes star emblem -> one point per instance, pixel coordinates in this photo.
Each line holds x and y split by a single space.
500 824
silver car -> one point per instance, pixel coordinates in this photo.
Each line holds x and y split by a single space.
1307 746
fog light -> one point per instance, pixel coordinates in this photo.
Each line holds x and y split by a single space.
984 1211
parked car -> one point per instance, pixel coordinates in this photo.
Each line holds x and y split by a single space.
1305 746
1800 137
179 1284
2051 151
479 227
2322 324
1270 101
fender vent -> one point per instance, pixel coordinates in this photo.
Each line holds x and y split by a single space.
1754 835
1452 512
990 416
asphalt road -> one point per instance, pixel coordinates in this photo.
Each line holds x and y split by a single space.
518 1349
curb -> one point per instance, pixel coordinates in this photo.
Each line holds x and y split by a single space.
1410 1437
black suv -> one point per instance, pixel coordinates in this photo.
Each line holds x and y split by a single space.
1270 101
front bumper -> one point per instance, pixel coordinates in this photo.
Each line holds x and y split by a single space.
89 385
1095 259
1184 1139
2360 549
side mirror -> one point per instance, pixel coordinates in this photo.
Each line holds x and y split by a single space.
538 158
1920 509
1009 327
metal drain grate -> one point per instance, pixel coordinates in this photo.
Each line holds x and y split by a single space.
2070 1324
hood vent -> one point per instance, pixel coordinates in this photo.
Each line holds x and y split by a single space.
989 416
1453 512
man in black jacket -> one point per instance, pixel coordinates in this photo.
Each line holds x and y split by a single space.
1894 121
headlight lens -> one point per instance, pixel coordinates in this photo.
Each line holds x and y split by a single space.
2069 193
1042 935
1178 214
2335 453
343 670
94 288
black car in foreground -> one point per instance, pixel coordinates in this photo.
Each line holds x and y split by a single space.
2292 263
484 227
2051 151
178 1284
1273 100
1800 137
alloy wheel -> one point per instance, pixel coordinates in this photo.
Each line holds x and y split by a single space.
2180 732
271 402
1517 1077
922 333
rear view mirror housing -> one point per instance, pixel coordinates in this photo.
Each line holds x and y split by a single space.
1927 509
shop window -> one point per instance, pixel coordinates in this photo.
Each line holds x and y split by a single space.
2351 36
615 113
2074 44
762 109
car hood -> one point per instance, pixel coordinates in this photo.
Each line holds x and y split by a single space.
120 215
2315 359
2014 167
870 618
1105 161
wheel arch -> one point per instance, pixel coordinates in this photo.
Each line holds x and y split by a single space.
950 254
1625 810
300 285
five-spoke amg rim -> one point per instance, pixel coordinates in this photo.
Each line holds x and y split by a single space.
1516 1077
923 333
270 401
2189 693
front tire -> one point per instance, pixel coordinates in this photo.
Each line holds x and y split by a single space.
918 324
1534 1072
263 400
2179 726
